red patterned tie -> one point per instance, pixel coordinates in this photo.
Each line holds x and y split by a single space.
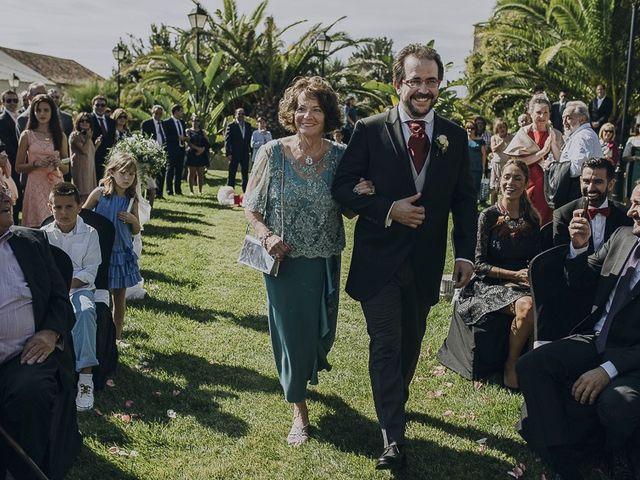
419 144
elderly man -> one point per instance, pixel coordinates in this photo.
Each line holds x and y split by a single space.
582 144
571 385
34 89
36 354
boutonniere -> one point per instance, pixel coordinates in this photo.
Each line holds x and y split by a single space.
442 143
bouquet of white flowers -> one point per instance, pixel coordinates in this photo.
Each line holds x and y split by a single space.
151 157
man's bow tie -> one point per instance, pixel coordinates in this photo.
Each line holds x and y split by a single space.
602 211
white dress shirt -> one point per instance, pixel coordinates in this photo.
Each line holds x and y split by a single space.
582 144
102 122
160 136
17 323
598 224
608 366
83 247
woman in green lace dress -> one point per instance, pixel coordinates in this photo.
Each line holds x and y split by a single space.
288 202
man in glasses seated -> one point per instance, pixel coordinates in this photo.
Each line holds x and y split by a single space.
36 358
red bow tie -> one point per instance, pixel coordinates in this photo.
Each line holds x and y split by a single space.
602 211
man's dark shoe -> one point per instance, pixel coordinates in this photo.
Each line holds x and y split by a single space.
393 458
621 467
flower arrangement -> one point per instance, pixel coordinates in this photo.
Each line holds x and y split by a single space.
151 157
442 142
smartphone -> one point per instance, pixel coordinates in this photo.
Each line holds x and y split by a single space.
585 207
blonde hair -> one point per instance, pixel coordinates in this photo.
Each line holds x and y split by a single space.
118 162
607 126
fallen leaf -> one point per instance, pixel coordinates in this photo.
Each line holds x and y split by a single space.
439 371
171 413
448 413
448 384
133 453
511 473
157 393
477 385
145 370
125 418
482 441
110 382
175 393
128 403
97 412
114 450
123 453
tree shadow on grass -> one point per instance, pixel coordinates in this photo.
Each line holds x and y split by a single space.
90 465
169 231
156 276
179 217
258 323
191 312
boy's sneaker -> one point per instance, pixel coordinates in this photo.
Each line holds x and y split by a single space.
84 399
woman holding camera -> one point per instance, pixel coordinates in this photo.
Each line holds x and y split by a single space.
83 152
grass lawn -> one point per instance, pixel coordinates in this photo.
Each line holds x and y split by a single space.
200 347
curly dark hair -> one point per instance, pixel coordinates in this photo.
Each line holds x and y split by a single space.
317 88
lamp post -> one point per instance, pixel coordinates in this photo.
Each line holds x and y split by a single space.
118 53
323 42
14 82
197 19
622 184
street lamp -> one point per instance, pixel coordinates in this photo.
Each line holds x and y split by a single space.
323 42
118 53
14 82
621 190
197 18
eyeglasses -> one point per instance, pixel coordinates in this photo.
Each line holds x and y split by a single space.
124 117
99 105
10 100
417 83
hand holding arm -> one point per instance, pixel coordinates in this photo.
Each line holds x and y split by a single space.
405 212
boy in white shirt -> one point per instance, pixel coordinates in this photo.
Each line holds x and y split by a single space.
80 242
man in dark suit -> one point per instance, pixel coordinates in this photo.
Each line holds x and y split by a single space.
557 108
600 108
176 140
237 145
65 118
102 126
573 384
9 135
597 180
152 127
36 353
419 165
34 89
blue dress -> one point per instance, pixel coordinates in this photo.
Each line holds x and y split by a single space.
123 267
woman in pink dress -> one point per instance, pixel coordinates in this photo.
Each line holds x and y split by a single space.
43 154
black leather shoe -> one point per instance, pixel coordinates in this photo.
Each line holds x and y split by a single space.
393 458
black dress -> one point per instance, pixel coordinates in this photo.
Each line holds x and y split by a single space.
198 139
477 343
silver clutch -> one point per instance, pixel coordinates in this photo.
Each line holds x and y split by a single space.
254 255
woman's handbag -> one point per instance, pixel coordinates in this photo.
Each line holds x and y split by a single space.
253 254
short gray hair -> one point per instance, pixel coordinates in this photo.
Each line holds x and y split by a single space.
580 108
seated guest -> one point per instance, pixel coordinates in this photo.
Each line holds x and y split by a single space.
36 362
596 180
80 241
572 385
508 238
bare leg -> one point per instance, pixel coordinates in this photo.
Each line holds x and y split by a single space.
200 172
521 330
151 195
192 178
119 306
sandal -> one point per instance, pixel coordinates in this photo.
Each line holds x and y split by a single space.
298 435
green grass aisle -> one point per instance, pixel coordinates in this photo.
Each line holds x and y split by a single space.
200 347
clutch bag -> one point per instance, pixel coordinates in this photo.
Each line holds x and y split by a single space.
254 255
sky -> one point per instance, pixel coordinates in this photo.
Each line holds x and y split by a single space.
87 30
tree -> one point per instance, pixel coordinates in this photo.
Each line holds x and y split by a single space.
562 44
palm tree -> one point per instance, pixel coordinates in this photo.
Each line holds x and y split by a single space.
563 44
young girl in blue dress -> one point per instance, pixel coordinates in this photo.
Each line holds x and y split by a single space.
116 200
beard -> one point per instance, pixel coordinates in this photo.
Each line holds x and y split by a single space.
414 111
598 200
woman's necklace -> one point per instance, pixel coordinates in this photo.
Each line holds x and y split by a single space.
308 156
43 135
511 223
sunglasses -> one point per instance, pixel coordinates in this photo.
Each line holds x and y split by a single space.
100 105
65 191
122 117
10 100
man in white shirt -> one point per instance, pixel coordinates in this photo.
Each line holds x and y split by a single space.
582 144
80 242
572 384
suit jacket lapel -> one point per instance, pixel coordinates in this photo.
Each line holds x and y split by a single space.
431 175
395 139
24 256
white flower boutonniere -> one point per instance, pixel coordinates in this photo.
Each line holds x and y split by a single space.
442 142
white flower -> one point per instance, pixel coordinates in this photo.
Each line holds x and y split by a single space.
442 142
